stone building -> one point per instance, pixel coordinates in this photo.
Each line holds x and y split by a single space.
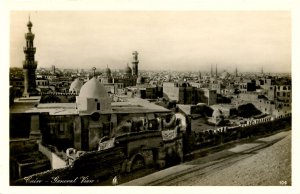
184 93
29 64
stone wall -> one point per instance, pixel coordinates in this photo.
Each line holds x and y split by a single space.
221 135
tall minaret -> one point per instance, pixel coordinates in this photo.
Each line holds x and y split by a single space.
236 72
216 70
29 64
135 62
262 70
211 71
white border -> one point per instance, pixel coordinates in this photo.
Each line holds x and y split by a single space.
7 5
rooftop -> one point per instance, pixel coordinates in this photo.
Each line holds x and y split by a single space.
132 105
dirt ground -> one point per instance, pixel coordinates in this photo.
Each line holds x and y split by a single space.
270 166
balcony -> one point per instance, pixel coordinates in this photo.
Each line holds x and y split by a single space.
29 49
29 64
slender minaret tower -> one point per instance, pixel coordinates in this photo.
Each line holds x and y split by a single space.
216 70
135 62
236 72
211 71
29 64
262 70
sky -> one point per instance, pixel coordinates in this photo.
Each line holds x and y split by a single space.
165 40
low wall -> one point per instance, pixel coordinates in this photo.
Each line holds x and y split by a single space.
226 134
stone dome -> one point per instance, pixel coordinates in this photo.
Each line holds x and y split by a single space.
224 74
76 85
128 70
217 113
107 71
140 80
93 89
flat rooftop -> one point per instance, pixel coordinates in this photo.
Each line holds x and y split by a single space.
131 105
137 105
21 105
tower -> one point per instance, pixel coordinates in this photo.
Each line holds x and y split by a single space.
135 62
29 64
211 71
216 71
53 69
236 72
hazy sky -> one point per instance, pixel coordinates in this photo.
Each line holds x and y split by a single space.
165 40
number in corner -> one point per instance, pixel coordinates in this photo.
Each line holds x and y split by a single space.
283 182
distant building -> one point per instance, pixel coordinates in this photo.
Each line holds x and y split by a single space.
76 86
129 77
184 93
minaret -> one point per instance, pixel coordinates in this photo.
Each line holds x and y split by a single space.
211 71
262 70
236 72
135 62
216 71
29 64
94 71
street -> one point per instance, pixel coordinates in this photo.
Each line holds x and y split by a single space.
265 161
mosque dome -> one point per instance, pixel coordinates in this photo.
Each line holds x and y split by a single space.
107 71
140 80
128 70
76 85
224 74
217 114
93 89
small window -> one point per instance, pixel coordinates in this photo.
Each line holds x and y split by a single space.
98 106
278 93
284 88
283 94
62 128
288 94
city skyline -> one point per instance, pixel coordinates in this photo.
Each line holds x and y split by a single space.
165 40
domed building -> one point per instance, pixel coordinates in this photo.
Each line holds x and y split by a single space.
108 72
107 77
76 86
224 75
128 71
93 98
217 116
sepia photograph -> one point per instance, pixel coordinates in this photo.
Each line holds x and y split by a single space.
149 98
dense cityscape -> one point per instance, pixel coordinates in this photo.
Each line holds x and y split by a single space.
107 126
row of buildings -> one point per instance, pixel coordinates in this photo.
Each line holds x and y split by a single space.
57 110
